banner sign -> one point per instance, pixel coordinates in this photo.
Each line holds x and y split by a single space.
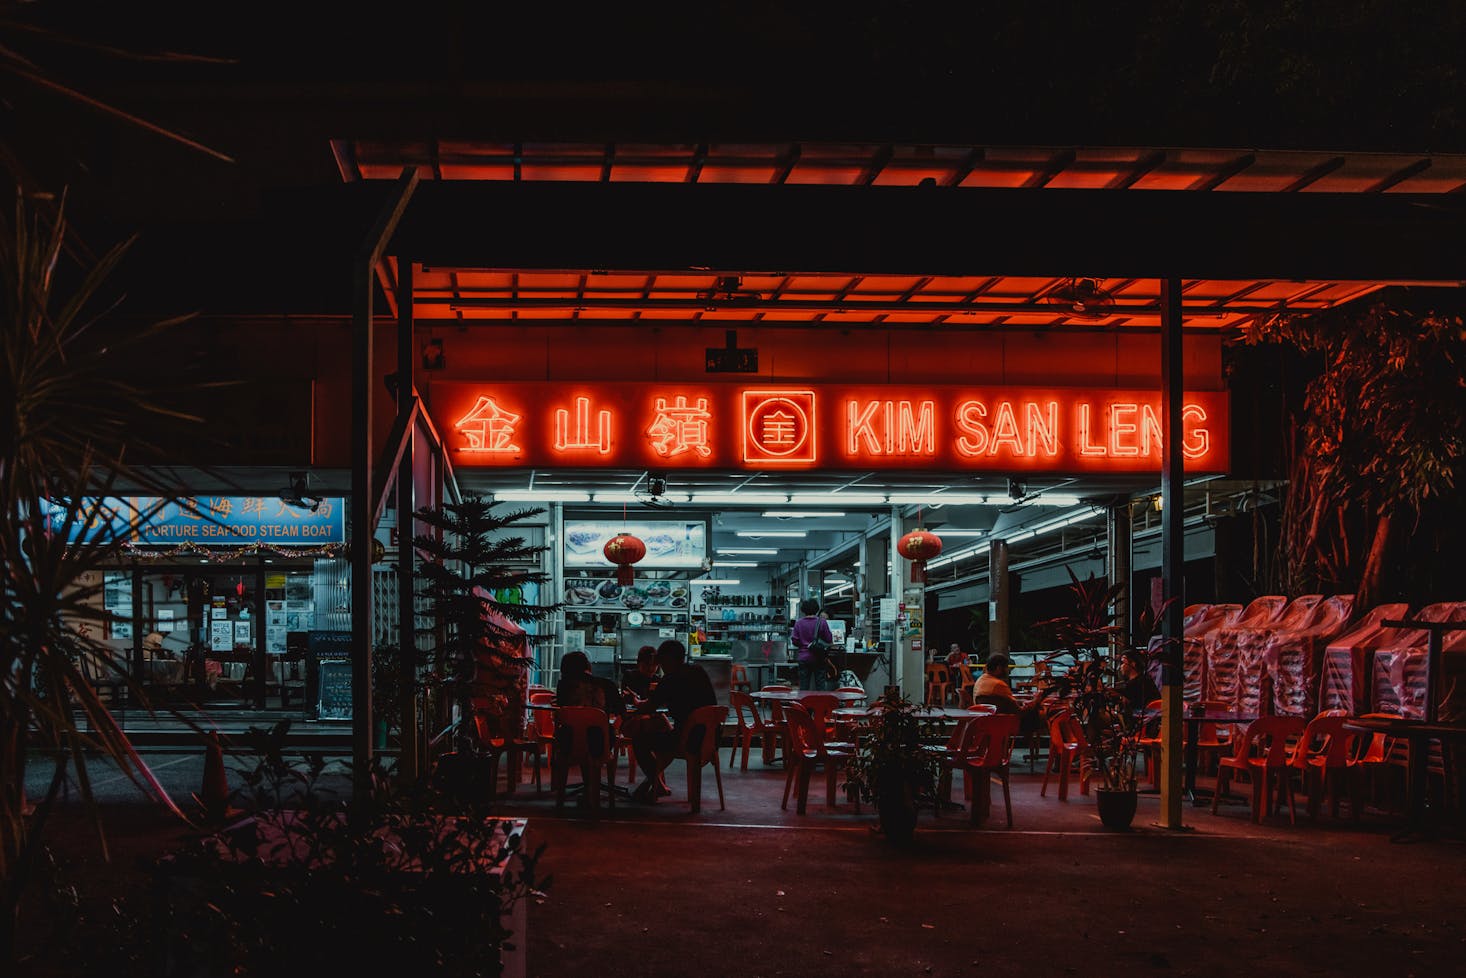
668 544
768 426
220 521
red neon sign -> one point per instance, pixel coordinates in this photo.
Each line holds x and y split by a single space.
699 424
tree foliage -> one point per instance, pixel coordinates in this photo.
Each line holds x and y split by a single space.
72 429
474 571
1378 440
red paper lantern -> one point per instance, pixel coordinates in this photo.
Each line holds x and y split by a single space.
919 546
623 550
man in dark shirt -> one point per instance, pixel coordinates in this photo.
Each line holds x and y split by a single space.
683 688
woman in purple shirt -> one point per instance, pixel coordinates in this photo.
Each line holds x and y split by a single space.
812 671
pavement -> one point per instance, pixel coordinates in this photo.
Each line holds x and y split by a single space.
752 890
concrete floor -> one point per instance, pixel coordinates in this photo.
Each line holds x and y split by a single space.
755 891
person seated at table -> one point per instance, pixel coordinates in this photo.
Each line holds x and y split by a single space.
578 686
683 688
638 682
955 656
1138 688
994 682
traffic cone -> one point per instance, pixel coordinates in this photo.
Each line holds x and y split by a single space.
213 795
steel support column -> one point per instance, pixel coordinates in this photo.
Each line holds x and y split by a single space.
407 760
998 597
363 528
1117 565
1172 553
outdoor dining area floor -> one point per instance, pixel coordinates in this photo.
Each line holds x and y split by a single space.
653 890
752 800
753 890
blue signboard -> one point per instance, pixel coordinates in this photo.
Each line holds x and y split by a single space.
217 521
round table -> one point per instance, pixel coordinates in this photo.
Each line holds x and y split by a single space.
921 713
799 695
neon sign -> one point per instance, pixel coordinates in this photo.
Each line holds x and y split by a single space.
707 425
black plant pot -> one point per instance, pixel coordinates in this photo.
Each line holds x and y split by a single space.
1116 807
896 804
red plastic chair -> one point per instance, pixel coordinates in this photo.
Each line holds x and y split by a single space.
1321 758
804 755
697 745
938 683
1262 755
820 706
540 737
1152 746
751 724
738 679
989 754
1215 739
583 737
1379 758
1067 745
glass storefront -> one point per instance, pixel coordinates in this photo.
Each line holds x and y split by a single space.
224 635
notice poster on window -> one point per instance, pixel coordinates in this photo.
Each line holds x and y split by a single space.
242 633
300 616
275 639
221 636
275 614
166 620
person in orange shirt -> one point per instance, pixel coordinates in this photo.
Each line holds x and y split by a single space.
994 682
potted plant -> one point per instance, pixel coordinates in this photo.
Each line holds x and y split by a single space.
891 768
1094 685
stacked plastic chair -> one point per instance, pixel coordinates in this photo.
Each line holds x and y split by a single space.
1291 655
1399 671
1224 676
1199 621
1253 681
1348 661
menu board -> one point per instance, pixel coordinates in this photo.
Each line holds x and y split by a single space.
333 684
669 543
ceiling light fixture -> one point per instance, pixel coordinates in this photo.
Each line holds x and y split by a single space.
781 514
757 534
943 532
541 496
938 499
839 498
739 498
748 551
735 563
718 581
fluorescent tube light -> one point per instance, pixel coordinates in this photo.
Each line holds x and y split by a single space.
748 551
976 550
777 514
718 580
1049 499
943 532
755 534
741 498
735 563
937 499
541 496
838 498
